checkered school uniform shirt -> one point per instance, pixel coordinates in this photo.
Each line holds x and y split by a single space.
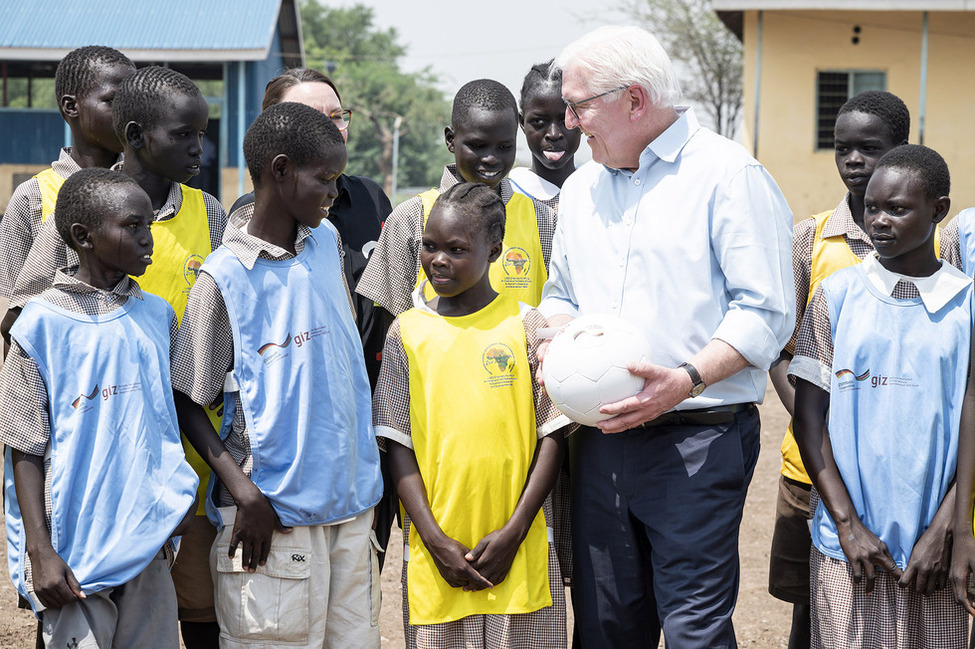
24 421
842 223
390 277
49 251
22 220
204 350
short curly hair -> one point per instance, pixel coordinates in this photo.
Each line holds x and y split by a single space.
84 197
483 206
138 97
485 94
78 71
298 131
891 110
927 164
541 75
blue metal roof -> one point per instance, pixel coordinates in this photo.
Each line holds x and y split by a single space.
214 27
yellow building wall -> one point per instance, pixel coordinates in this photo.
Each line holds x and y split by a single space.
796 45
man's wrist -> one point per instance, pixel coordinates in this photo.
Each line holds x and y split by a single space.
697 383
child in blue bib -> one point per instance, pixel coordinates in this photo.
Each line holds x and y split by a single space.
269 327
96 481
881 376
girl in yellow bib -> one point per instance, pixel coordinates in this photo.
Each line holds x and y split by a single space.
475 445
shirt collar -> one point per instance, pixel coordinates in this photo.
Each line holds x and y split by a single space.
420 299
452 177
667 146
936 290
841 223
65 280
65 165
174 200
247 248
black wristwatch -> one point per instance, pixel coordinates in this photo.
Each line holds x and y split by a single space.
696 379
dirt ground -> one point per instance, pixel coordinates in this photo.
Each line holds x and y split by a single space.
761 622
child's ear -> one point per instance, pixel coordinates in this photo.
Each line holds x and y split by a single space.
280 167
448 137
81 236
521 120
941 207
134 135
495 252
69 106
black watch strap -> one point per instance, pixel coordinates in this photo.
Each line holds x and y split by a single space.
696 379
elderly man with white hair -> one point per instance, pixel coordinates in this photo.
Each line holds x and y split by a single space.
683 233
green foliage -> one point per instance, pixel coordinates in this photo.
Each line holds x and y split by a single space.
693 35
364 62
41 93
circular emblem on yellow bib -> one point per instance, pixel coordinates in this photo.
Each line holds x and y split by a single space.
191 269
516 262
498 359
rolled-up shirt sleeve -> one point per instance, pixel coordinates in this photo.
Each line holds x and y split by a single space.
752 240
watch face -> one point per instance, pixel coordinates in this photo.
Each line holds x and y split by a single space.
697 389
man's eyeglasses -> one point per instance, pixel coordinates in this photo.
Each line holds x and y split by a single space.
342 118
572 105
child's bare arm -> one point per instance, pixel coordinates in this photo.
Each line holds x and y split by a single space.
927 569
963 542
779 374
256 520
54 583
447 553
861 546
492 556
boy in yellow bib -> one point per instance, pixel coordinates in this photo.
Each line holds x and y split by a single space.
479 567
84 85
482 135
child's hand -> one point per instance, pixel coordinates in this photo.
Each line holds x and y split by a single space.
555 324
962 566
865 551
449 557
927 569
492 556
254 524
54 583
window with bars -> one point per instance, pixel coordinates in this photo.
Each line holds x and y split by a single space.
833 88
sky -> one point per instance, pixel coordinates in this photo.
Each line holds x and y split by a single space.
461 40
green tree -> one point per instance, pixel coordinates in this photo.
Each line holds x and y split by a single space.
693 35
364 61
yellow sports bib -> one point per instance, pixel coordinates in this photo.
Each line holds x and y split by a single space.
50 183
520 270
829 255
179 246
472 418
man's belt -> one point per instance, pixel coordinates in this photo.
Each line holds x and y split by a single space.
700 417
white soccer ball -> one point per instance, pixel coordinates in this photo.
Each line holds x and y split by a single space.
585 366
